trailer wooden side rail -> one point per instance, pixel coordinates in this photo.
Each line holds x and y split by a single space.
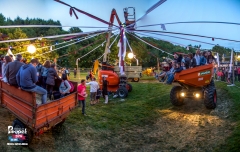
37 118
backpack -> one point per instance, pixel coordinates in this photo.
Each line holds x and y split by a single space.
72 86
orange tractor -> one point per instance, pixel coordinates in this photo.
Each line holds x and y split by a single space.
195 83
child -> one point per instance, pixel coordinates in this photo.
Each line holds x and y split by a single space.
75 72
82 95
99 92
219 75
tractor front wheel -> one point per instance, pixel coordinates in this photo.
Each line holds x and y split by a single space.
175 98
122 92
210 97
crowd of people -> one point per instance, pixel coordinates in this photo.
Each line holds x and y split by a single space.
182 62
33 76
223 74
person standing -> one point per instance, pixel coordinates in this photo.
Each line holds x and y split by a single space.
235 73
210 58
105 90
27 79
192 60
7 60
219 75
93 90
223 75
82 95
197 57
67 72
44 72
238 73
12 70
39 68
75 73
50 81
203 59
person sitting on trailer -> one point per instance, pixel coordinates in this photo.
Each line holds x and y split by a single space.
27 79
65 87
178 69
7 60
12 70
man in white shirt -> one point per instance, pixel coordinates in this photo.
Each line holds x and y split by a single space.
93 90
197 57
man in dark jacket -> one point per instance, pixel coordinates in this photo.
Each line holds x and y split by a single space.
27 78
12 69
52 74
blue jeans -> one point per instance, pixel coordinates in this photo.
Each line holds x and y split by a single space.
83 105
41 91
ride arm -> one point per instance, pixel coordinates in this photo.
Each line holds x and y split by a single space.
114 13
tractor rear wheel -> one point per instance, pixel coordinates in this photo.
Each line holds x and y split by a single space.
175 98
122 92
210 97
129 87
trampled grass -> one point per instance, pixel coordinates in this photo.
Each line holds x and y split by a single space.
144 121
232 143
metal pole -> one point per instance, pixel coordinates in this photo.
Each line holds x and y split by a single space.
231 69
122 47
77 67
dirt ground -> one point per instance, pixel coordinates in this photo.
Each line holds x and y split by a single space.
191 127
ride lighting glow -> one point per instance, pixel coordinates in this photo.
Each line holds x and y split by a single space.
182 94
130 55
31 49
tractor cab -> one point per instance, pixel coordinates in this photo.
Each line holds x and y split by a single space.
129 15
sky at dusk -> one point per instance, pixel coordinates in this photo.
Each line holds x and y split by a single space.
170 11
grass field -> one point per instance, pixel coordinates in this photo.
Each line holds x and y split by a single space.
145 121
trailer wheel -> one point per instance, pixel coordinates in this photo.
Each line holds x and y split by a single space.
175 98
135 79
58 127
17 124
122 92
210 97
129 87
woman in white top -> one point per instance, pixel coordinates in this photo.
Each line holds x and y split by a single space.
6 60
65 87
